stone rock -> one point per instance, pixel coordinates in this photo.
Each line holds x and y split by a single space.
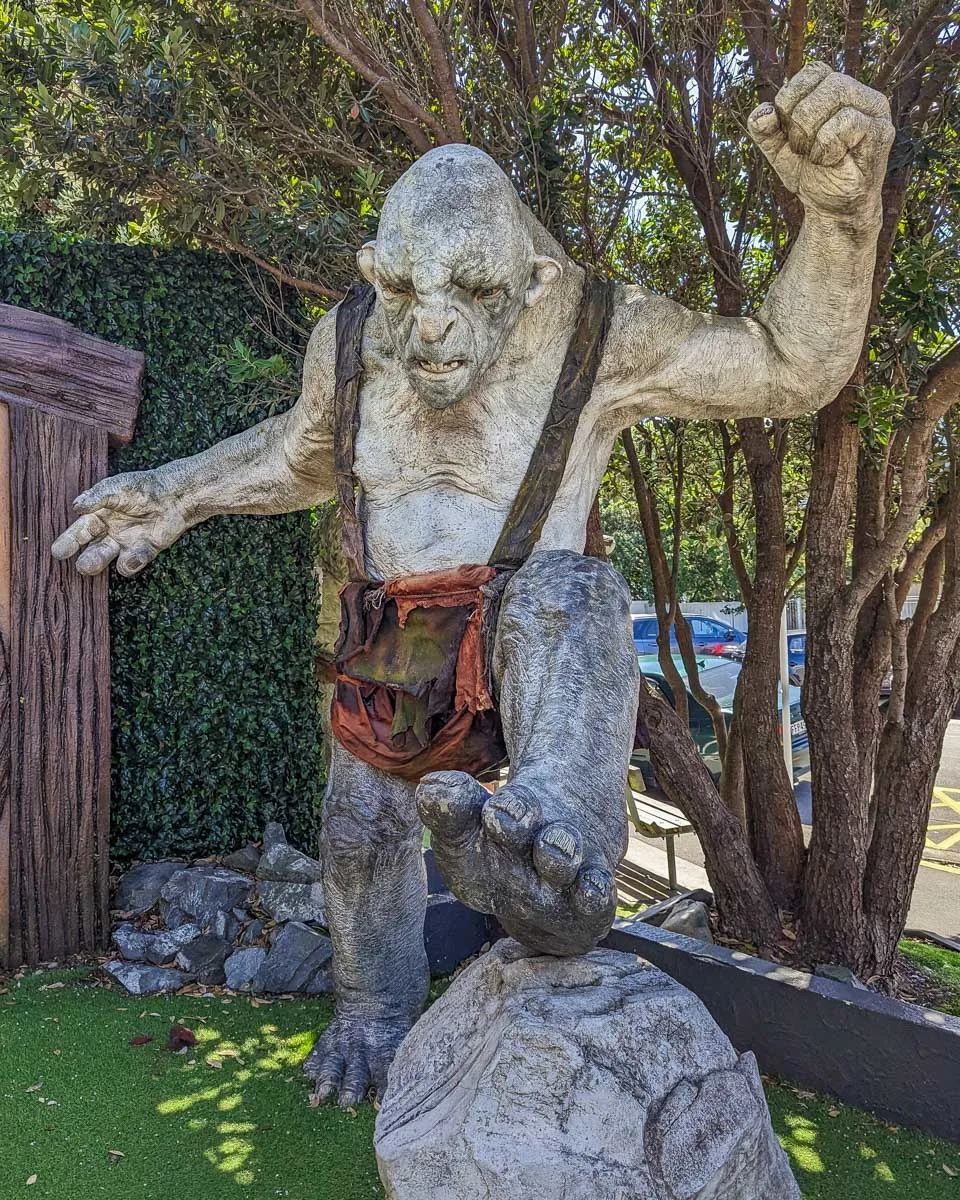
143 980
691 919
242 860
173 917
203 891
298 961
251 934
139 889
131 943
591 1078
242 967
165 945
273 835
204 958
157 947
840 975
292 901
282 862
225 926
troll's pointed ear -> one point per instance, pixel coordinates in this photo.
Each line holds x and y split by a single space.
366 258
545 273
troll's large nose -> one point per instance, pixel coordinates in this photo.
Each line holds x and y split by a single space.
434 321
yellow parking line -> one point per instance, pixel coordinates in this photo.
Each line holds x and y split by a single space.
943 799
935 866
945 844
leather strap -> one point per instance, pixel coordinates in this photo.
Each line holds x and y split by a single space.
352 312
540 485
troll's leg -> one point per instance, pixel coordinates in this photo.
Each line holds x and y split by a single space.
541 852
376 895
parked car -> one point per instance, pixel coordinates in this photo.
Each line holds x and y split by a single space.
797 655
718 676
710 636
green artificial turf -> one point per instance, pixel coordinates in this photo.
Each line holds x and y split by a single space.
840 1153
187 1128
941 966
230 1118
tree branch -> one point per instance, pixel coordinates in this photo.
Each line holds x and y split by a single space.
938 394
443 68
284 277
414 120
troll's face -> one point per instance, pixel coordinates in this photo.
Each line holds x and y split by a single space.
454 267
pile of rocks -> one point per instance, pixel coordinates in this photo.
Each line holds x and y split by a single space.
252 921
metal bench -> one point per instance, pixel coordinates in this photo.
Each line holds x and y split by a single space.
657 818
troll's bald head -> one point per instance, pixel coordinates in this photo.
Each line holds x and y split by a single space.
453 264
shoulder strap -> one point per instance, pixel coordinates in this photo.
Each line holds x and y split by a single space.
540 484
352 311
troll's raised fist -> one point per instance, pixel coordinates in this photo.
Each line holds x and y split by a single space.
827 137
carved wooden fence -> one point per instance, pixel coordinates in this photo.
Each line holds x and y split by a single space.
64 397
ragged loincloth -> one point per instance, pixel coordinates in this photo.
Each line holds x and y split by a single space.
413 687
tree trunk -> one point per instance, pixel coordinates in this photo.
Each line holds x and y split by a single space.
832 925
776 836
744 906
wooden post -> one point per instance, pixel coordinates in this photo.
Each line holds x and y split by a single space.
64 396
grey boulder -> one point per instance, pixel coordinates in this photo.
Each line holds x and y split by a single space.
591 1078
690 918
203 958
298 961
292 901
840 974
226 926
139 889
153 947
246 859
143 980
242 967
251 933
201 892
283 862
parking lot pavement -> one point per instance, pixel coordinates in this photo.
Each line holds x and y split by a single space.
935 905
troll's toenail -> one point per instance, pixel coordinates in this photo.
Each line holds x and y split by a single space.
562 840
512 806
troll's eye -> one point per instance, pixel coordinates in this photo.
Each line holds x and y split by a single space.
394 291
490 293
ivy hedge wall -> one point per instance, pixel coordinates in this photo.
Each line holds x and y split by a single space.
214 701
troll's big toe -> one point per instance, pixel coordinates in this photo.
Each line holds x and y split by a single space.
546 885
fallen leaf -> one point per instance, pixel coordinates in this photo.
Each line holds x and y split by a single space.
58 1053
31 1179
805 1095
214 1062
949 1171
35 1087
49 987
833 1112
180 1037
116 1155
141 1039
